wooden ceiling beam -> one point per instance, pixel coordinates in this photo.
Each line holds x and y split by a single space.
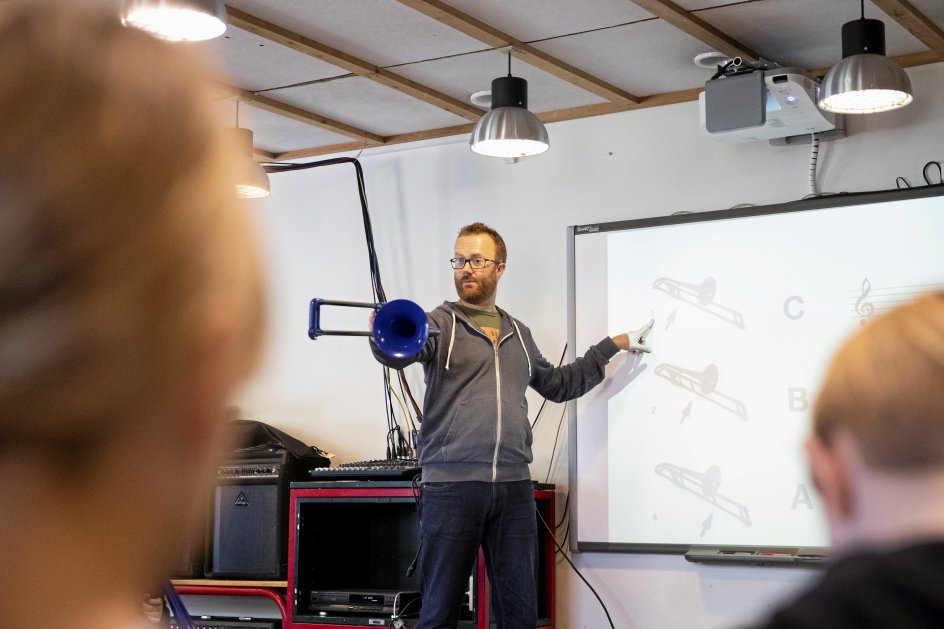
918 58
302 115
401 138
697 28
330 149
491 36
570 113
900 10
312 48
262 155
915 22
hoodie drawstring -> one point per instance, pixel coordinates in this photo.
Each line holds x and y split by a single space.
452 340
521 339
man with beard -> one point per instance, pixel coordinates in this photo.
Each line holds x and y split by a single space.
475 439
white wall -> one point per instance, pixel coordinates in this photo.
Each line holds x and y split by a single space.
636 164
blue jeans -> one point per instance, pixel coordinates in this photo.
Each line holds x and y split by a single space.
455 519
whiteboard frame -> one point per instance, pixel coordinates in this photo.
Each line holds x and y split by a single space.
575 231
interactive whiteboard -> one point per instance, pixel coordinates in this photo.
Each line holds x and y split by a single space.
700 442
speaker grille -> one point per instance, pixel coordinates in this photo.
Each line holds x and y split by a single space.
246 531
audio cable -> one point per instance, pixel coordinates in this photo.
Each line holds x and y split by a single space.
576 571
396 445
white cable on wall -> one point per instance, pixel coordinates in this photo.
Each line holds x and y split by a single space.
814 154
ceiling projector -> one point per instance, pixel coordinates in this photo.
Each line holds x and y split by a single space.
764 104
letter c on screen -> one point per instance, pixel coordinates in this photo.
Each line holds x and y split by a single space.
786 307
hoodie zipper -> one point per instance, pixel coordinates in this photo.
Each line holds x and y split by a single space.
498 426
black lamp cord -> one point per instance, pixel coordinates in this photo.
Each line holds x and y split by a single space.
559 423
550 462
560 549
415 486
540 410
928 173
577 572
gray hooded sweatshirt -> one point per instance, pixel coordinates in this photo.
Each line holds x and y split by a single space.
475 416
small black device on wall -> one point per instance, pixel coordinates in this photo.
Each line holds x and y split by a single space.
248 523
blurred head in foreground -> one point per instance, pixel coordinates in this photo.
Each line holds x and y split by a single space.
130 311
877 448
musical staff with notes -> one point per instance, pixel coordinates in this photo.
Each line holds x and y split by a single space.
868 300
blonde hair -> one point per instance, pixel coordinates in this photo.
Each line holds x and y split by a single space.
121 243
885 387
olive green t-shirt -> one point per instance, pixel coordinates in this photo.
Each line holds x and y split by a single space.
490 322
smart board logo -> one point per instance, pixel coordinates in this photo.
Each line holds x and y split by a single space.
241 500
588 229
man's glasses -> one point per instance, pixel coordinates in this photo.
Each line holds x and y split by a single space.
477 262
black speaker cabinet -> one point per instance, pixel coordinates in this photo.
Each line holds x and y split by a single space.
247 536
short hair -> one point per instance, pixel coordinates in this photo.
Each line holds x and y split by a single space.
121 243
481 228
885 388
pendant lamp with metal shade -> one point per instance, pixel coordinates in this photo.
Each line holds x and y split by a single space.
865 81
252 180
176 20
509 130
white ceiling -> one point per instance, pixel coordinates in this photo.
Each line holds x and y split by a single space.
325 76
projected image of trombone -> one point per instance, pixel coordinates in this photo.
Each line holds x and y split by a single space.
701 296
705 486
702 383
400 328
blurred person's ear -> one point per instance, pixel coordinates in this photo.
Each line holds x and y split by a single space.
830 471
